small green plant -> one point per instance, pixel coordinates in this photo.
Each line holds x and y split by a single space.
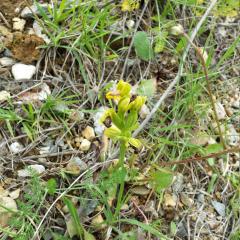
121 122
25 220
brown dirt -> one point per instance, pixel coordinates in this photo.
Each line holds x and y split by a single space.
24 47
7 8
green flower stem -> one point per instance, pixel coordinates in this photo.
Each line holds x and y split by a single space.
121 188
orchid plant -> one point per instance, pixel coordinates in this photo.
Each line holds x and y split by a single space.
121 121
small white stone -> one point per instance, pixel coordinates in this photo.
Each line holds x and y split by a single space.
236 103
16 147
27 172
75 166
233 137
15 194
18 24
28 12
4 95
37 29
5 215
170 200
221 113
23 71
6 61
85 145
88 133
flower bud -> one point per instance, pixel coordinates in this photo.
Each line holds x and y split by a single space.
123 104
177 30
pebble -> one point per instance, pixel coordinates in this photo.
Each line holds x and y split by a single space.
186 200
85 145
232 136
170 200
221 113
151 208
6 61
5 215
28 171
28 12
200 138
76 116
140 190
219 207
98 222
23 71
16 147
37 30
88 133
18 24
4 96
76 165
177 185
15 194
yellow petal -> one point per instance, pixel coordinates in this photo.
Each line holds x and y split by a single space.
135 142
124 88
113 132
113 95
137 103
107 113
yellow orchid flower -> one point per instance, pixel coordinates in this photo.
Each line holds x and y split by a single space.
137 103
123 90
130 5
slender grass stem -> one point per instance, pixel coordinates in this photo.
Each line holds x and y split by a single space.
121 187
200 55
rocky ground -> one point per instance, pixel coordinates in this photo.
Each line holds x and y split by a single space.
52 95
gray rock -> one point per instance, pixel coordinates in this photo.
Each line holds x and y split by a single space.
16 147
27 172
18 24
221 113
233 137
28 12
177 185
219 207
37 29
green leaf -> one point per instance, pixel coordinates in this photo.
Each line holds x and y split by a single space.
74 214
147 88
88 236
161 179
51 186
213 148
145 227
143 46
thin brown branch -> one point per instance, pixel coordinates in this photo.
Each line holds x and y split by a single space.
201 158
205 71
